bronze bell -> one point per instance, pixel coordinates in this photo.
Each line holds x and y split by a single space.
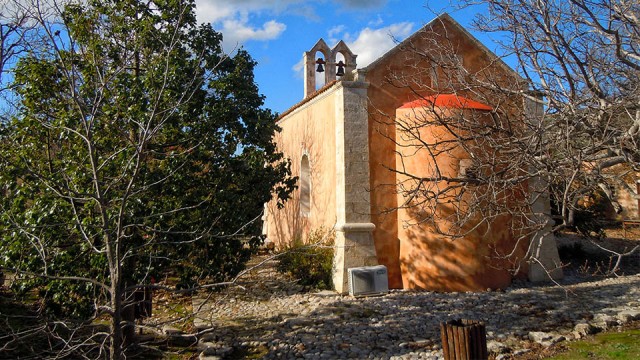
320 62
340 66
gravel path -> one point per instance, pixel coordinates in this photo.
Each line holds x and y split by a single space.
269 316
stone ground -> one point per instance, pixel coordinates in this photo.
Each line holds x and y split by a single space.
267 315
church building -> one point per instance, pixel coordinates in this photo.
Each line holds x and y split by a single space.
351 159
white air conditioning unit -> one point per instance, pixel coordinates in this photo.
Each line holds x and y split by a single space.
368 280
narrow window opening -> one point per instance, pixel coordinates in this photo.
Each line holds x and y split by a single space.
468 170
434 77
305 186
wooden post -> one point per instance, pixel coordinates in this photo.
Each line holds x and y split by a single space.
143 302
137 304
464 340
638 197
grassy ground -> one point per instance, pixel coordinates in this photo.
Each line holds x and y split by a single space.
614 345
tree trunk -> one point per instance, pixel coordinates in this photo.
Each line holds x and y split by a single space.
115 346
128 319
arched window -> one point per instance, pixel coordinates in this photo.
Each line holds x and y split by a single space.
305 186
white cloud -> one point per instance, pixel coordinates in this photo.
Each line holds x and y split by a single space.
208 11
233 18
216 10
377 22
358 4
238 31
31 10
373 43
298 69
336 30
334 34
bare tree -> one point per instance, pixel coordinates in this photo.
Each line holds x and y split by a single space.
567 125
583 57
17 36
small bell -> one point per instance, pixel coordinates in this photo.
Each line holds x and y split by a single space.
340 66
320 62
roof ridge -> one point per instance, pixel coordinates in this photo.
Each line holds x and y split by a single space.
442 16
307 99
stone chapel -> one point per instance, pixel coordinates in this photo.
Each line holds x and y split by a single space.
342 149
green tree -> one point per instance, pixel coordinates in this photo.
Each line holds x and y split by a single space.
139 148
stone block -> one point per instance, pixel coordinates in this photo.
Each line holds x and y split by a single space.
496 347
182 340
208 348
170 330
584 329
604 321
539 336
204 356
628 315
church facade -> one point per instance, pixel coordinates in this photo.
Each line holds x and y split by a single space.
346 148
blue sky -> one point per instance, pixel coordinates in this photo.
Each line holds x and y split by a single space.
277 32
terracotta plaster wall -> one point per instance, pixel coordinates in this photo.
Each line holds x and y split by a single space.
309 130
429 259
395 79
384 99
629 200
626 195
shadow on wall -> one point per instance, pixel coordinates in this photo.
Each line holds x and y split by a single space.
307 207
457 220
450 259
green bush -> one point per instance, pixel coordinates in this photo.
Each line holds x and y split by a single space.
311 262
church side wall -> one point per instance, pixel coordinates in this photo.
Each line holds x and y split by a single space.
307 131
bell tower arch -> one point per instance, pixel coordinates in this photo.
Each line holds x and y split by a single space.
342 68
326 65
311 64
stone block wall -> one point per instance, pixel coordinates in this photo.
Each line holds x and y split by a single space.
354 242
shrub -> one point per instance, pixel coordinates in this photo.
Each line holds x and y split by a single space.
311 262
592 262
572 252
591 213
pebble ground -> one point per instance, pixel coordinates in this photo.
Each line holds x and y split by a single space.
267 315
